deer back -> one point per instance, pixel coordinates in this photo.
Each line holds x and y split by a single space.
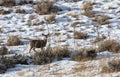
40 43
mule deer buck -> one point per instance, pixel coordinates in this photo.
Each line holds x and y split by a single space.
38 43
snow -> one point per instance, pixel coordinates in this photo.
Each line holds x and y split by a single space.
16 22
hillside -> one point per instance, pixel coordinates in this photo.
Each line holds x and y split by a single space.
83 41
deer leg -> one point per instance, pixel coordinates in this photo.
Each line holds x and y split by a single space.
30 49
34 49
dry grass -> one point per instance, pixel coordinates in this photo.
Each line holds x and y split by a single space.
9 61
2 11
46 7
3 50
73 24
51 19
79 68
101 19
75 0
57 34
111 66
35 22
74 15
85 54
80 35
71 0
14 40
43 57
98 39
20 11
87 7
49 55
2 68
109 45
8 3
32 16
11 3
61 52
21 73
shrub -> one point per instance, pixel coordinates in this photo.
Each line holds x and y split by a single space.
32 16
11 3
76 23
84 54
35 22
7 3
46 7
2 68
49 55
61 52
20 11
43 57
14 40
109 45
21 59
3 50
51 19
102 19
114 65
111 66
2 11
98 39
87 7
74 15
80 35
8 62
75 0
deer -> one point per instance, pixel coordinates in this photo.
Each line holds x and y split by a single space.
38 43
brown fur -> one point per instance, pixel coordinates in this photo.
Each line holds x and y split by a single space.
38 43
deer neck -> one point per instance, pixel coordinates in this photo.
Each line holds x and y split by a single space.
45 40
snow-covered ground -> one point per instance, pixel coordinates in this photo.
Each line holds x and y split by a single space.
16 24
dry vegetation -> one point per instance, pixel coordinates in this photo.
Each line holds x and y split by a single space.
14 40
80 35
49 55
11 3
85 54
35 22
20 11
7 3
71 0
46 7
98 39
73 24
51 19
88 9
8 61
111 66
3 50
109 45
101 19
2 11
74 15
